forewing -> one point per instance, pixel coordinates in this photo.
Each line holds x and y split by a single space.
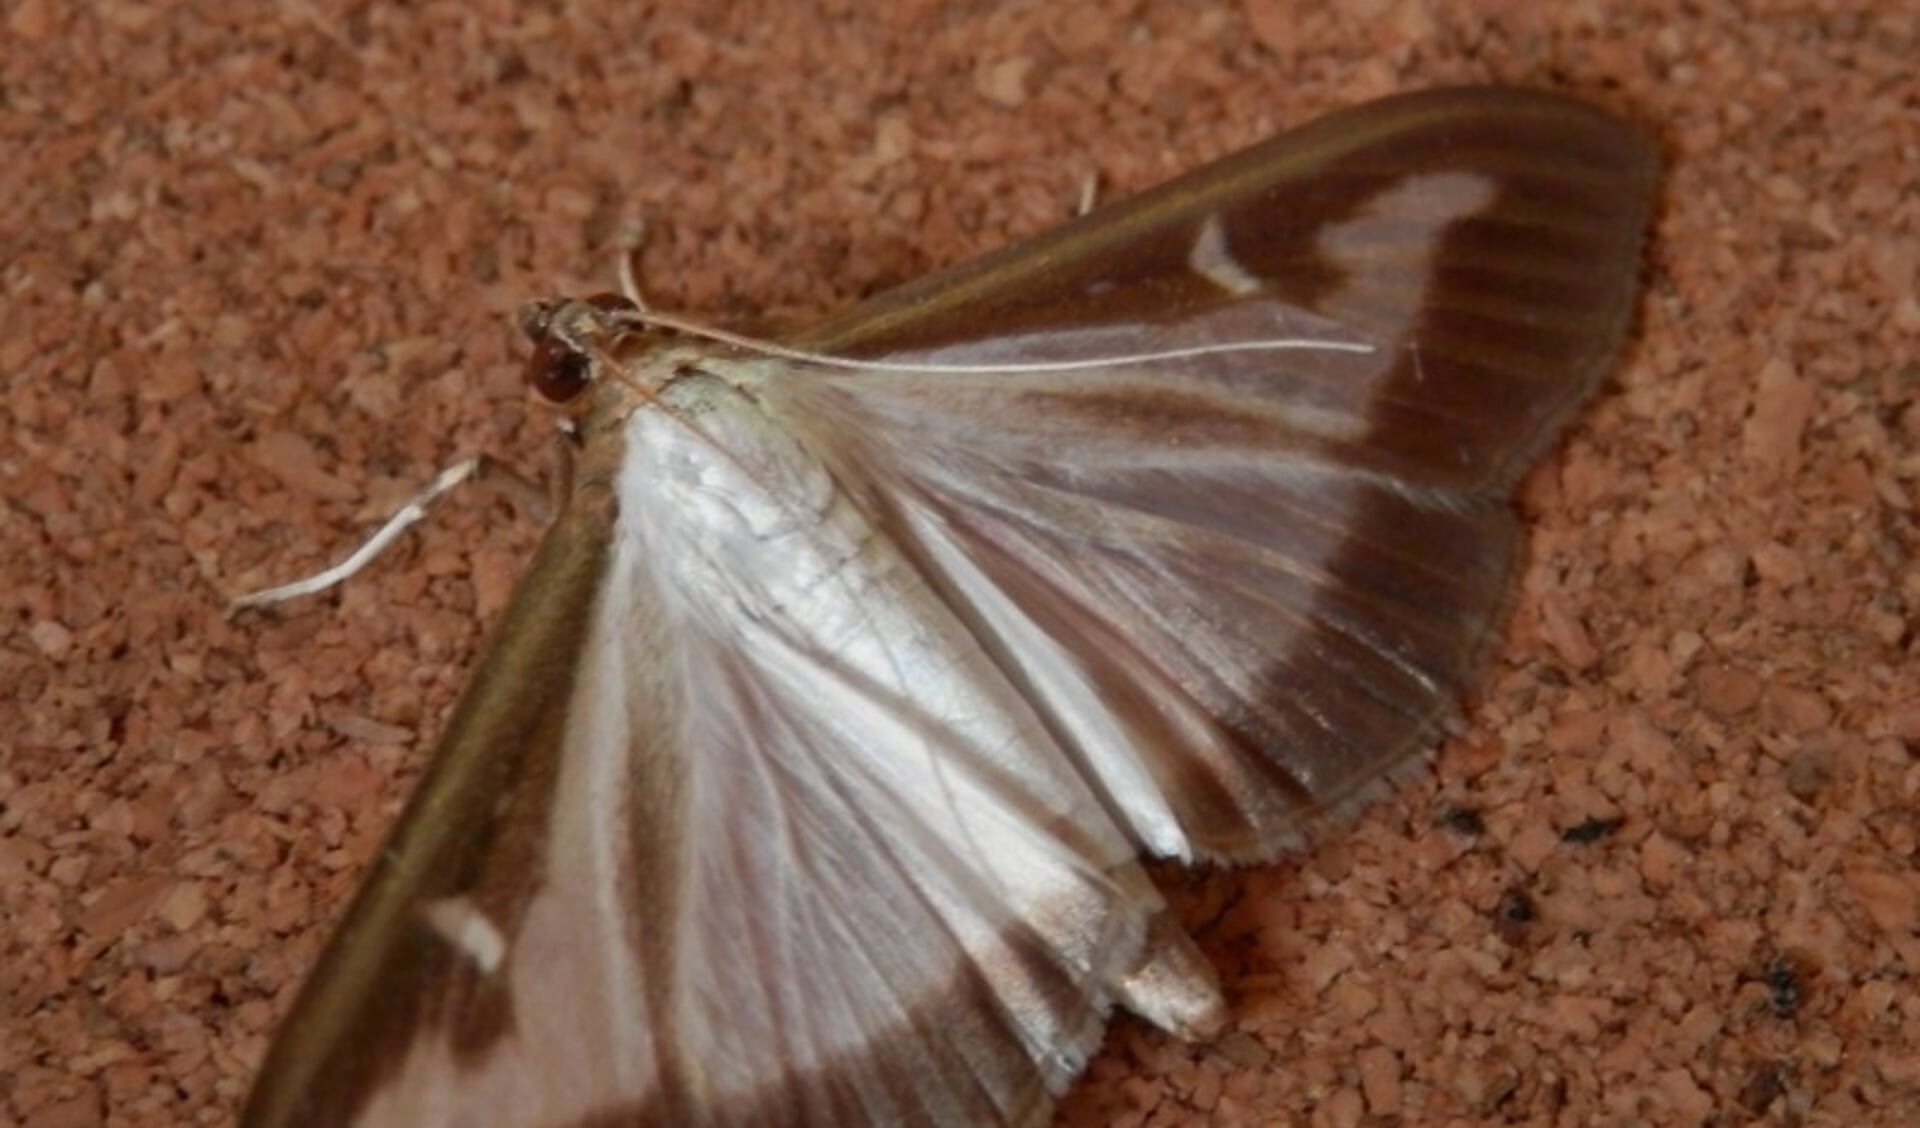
1247 586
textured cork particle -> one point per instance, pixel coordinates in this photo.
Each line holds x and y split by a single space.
257 277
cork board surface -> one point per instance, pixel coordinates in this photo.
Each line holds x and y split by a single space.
258 264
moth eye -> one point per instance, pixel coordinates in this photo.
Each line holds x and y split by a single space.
559 371
556 370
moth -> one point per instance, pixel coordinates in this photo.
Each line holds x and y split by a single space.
808 776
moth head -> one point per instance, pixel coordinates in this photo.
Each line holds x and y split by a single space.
567 334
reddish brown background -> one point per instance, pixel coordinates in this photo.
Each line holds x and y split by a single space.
257 270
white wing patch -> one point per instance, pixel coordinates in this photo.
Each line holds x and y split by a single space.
1211 259
1404 221
465 927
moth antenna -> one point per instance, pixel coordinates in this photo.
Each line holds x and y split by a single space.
633 235
767 348
410 514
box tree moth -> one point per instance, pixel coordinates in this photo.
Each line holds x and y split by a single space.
807 777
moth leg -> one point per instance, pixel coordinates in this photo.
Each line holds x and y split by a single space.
479 468
530 499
